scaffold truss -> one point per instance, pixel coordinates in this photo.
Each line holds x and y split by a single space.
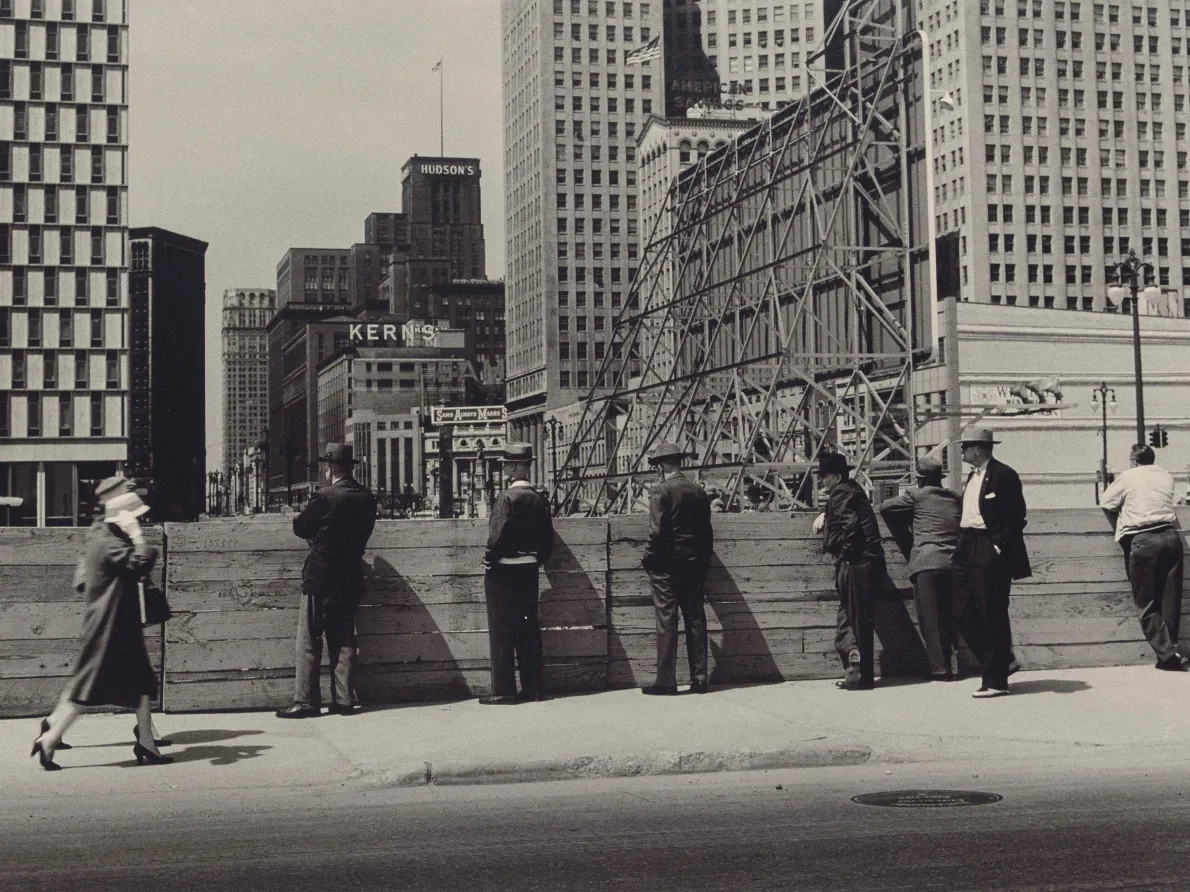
772 317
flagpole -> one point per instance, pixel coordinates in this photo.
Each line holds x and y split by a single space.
441 115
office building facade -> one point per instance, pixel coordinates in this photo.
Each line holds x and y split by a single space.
246 314
573 108
1060 143
167 372
63 254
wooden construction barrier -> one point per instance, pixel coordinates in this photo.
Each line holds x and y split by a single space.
235 586
41 616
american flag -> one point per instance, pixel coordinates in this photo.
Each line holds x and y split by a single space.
437 66
646 53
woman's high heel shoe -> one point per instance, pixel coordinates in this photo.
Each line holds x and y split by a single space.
45 729
46 760
143 755
162 742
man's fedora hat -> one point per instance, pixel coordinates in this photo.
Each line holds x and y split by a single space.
517 452
667 450
976 435
929 466
338 454
833 463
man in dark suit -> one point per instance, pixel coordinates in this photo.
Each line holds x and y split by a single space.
676 558
989 555
851 535
337 522
520 541
925 524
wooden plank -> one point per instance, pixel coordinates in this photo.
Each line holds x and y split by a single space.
1096 630
424 533
735 616
467 649
37 582
635 528
31 658
761 583
26 697
238 566
52 546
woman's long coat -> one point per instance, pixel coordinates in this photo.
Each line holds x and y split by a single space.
113 667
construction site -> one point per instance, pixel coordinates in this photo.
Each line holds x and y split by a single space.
784 296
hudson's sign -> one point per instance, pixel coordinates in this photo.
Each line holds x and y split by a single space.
447 170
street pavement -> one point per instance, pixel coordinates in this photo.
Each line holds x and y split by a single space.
1056 715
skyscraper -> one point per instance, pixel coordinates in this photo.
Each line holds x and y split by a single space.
246 312
167 380
573 107
1059 144
63 254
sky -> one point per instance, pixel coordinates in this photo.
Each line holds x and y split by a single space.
264 125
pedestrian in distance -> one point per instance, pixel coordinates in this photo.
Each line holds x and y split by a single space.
337 522
851 535
925 524
113 666
1139 506
990 554
520 541
677 556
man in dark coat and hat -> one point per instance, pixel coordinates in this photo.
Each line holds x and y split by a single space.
851 535
676 558
337 521
989 555
925 524
520 541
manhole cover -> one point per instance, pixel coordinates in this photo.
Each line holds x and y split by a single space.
926 798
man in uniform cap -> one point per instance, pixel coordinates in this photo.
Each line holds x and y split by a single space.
851 535
989 555
676 558
925 523
337 522
520 541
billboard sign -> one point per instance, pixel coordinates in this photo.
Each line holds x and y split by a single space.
467 414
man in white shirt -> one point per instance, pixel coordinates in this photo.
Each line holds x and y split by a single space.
1139 506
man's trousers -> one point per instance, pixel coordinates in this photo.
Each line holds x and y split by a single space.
982 582
933 594
856 584
514 633
338 625
681 589
1154 564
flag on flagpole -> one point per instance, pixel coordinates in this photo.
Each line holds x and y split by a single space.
437 66
646 53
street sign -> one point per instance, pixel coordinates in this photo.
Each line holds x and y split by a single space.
467 414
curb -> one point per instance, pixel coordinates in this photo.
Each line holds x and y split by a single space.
608 766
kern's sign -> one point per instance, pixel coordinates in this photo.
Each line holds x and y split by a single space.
368 333
446 170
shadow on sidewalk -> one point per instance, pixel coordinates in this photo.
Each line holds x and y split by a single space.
181 738
216 755
1049 686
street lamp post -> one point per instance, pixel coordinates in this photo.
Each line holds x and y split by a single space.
1101 398
954 427
553 424
1129 273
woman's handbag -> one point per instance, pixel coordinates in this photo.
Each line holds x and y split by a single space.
154 607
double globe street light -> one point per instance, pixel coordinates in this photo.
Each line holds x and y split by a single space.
1102 399
1131 273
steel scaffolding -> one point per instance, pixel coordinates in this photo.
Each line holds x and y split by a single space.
772 317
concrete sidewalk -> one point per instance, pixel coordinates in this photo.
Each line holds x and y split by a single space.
1064 715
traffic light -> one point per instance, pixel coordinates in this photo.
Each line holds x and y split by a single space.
1158 437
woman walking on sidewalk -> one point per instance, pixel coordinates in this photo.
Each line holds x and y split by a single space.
113 667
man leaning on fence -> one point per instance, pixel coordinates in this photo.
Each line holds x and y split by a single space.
925 523
337 522
1139 506
676 558
851 535
520 541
